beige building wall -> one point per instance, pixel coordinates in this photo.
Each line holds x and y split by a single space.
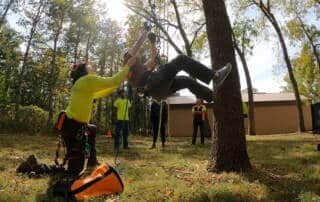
271 118
180 120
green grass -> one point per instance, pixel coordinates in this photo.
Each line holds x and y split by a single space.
285 168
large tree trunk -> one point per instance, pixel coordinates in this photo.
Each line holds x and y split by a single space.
251 119
3 17
266 10
52 77
229 151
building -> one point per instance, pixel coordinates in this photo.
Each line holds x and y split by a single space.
274 113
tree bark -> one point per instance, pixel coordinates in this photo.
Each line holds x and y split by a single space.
3 17
75 57
52 77
228 151
19 91
251 119
88 47
273 21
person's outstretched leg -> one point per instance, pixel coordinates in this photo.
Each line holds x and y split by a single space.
189 65
196 69
201 91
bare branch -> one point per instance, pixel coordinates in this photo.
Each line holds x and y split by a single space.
181 29
151 16
196 33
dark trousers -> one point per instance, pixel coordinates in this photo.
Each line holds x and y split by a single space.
164 82
198 124
122 130
73 134
155 127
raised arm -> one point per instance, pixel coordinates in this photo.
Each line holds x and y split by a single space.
151 63
137 45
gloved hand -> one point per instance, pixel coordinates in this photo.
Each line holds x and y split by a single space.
152 37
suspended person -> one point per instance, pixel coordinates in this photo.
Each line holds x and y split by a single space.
158 108
199 117
86 87
164 81
123 104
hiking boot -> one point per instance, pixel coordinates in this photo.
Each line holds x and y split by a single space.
28 166
219 77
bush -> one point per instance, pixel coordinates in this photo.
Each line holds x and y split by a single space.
29 119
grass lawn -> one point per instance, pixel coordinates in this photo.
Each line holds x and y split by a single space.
286 167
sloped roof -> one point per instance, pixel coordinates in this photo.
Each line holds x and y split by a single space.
176 100
271 97
258 97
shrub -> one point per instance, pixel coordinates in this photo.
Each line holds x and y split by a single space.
29 119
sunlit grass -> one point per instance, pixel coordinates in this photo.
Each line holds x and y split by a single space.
285 168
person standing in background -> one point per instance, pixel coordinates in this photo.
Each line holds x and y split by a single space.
155 121
199 116
122 104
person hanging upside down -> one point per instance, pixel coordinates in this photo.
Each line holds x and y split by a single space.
164 81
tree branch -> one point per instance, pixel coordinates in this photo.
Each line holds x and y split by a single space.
196 34
182 31
151 16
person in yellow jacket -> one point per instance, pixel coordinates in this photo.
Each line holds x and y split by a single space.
122 104
86 87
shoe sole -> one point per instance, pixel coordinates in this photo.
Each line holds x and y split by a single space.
222 81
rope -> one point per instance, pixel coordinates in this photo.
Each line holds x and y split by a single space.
160 118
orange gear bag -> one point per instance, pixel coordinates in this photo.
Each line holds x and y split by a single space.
103 181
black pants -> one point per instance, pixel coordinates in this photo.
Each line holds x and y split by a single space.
122 132
198 124
74 138
164 82
155 127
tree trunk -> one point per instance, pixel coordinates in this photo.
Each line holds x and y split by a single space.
251 119
275 25
75 57
181 29
52 77
228 151
19 91
3 17
87 48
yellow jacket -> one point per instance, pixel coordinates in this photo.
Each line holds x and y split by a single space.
91 87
